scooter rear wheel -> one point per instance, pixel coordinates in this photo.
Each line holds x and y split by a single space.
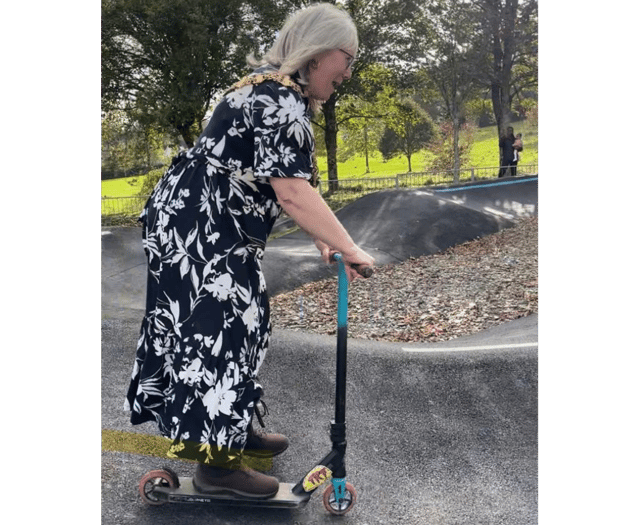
156 478
339 508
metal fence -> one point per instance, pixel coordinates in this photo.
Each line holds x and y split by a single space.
119 209
122 210
345 190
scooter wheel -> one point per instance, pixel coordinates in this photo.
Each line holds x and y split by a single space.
343 506
153 479
176 479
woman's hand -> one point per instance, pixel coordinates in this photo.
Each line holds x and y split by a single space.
326 252
356 256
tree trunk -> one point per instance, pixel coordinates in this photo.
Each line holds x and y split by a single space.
407 141
331 141
186 134
456 150
366 147
503 22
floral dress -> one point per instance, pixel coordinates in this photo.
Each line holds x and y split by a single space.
206 328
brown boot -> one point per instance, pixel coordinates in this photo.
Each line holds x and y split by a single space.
260 444
242 481
263 445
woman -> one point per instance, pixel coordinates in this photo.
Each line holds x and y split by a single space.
206 328
509 146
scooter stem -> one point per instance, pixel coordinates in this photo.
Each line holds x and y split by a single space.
334 461
341 358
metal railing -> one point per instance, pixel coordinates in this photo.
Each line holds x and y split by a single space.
336 193
122 209
345 190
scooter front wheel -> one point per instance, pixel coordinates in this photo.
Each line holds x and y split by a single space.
153 479
343 506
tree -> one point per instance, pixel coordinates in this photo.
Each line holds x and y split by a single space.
362 129
130 149
115 150
163 60
383 39
451 63
361 115
509 29
409 129
488 44
442 146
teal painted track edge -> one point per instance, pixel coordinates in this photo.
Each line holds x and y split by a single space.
490 185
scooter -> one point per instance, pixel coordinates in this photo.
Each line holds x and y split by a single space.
158 487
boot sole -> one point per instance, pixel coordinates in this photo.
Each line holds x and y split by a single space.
222 491
262 455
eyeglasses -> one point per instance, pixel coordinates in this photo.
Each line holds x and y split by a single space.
350 58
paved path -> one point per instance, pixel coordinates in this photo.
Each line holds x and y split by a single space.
440 433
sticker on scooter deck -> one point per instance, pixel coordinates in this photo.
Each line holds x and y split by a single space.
316 477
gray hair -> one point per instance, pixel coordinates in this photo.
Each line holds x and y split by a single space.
307 33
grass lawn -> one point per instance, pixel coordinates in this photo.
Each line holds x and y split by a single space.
125 187
484 153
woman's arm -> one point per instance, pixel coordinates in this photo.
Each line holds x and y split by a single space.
309 210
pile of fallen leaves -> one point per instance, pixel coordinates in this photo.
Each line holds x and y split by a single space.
465 289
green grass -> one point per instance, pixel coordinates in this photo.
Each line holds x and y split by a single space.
484 153
356 167
157 446
125 187
132 443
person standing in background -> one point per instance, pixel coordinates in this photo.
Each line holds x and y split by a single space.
508 150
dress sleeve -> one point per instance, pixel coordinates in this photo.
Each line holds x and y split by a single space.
283 138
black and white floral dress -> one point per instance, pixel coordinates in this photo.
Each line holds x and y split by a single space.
206 328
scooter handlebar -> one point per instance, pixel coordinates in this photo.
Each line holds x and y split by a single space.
363 269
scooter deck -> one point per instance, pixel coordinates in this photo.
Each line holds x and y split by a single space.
187 493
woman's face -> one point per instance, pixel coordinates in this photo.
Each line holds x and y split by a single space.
331 68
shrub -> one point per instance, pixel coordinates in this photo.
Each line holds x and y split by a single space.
442 147
150 180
